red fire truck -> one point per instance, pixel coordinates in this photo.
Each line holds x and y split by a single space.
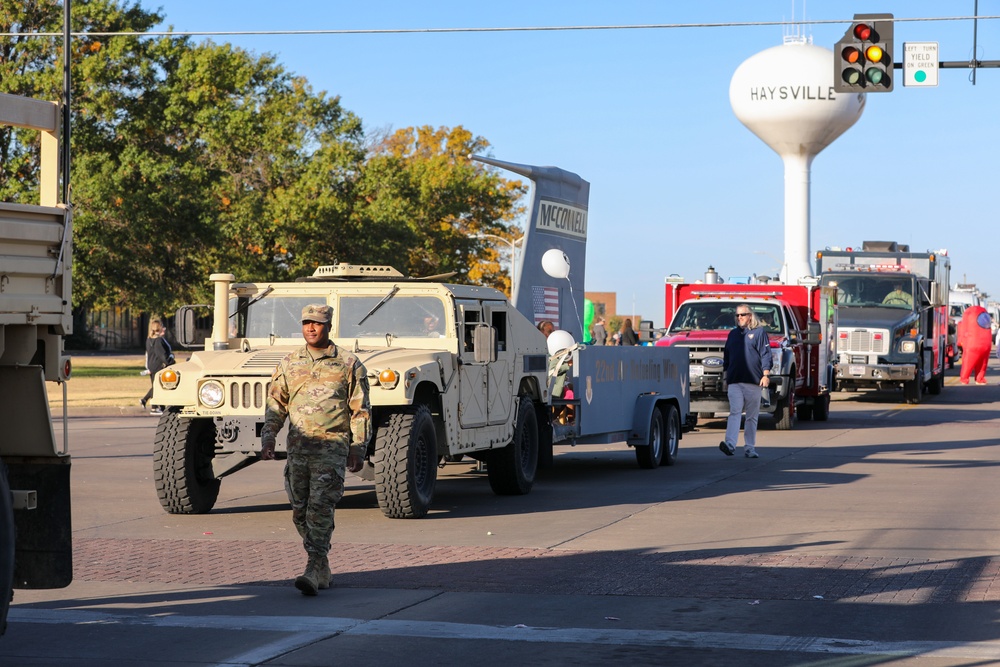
801 325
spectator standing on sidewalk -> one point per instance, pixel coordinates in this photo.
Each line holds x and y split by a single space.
747 365
159 355
323 392
629 336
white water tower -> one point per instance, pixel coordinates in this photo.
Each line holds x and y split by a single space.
785 96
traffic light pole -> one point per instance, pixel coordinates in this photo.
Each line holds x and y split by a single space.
960 64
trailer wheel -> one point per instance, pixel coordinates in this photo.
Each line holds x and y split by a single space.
405 463
821 408
182 464
512 469
650 455
784 414
6 547
672 421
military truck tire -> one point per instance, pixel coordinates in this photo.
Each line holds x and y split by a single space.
784 414
672 424
512 469
6 547
650 455
182 464
406 463
821 408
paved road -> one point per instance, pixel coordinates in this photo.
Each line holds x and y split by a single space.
871 539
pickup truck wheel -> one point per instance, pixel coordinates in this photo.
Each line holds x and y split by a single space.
512 469
6 547
821 408
913 390
784 414
405 463
648 456
672 427
182 464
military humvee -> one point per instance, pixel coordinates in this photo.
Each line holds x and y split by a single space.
454 370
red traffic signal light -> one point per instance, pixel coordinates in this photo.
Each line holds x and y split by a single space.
862 32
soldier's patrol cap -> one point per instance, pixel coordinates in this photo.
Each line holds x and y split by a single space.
317 312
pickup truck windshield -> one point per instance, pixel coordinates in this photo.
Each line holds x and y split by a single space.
713 316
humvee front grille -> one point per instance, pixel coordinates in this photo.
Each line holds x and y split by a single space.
248 394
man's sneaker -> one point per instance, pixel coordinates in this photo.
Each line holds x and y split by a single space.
726 448
156 411
750 453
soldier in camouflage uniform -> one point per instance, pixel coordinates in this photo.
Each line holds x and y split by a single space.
323 391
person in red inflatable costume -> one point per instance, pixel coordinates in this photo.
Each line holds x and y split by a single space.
975 339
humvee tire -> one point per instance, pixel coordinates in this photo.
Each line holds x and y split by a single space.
405 463
512 469
182 464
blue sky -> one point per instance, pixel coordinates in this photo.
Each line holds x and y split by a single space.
677 182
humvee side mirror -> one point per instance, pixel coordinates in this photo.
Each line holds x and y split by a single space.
185 325
484 344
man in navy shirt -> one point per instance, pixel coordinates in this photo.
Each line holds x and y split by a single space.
747 364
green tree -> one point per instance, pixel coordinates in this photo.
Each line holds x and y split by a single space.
419 187
190 159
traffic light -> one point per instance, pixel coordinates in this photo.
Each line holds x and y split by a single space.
862 59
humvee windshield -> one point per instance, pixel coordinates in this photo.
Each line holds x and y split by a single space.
420 316
713 316
280 316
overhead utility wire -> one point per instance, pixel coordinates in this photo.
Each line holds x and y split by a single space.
397 31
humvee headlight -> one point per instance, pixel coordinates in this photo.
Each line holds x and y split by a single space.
388 379
169 379
211 393
908 346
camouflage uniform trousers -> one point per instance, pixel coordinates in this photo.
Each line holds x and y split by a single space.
314 482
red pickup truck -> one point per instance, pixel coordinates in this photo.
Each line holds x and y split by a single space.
801 325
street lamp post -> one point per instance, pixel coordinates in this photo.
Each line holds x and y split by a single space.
513 253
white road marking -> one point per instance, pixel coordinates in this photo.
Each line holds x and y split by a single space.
305 630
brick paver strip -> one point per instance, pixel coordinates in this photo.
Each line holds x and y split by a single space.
773 576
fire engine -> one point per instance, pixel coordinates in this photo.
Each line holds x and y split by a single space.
893 316
800 321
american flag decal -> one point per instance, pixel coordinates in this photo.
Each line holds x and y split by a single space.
545 304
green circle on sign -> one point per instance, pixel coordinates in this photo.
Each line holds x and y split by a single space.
920 76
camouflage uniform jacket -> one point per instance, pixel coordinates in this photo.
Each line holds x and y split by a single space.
325 399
